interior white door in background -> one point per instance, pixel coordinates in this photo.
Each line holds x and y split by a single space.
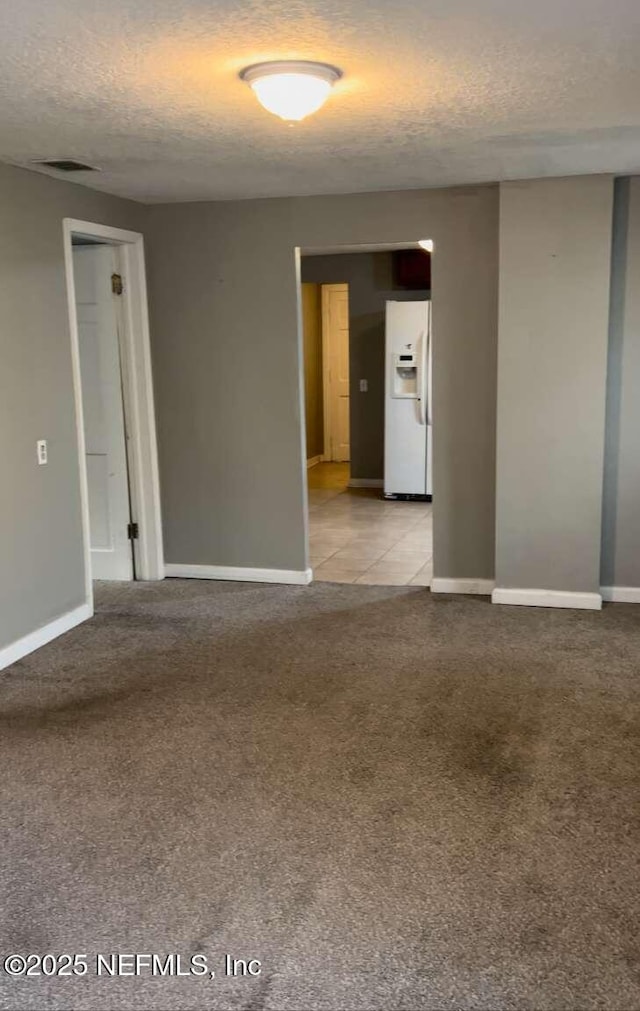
335 341
103 412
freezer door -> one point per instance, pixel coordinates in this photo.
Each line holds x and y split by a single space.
405 321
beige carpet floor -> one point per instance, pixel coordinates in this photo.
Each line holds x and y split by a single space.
390 800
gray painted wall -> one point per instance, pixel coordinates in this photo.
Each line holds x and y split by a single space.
227 366
41 547
555 241
225 325
621 499
371 283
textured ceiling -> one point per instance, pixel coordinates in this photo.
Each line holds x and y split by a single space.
434 92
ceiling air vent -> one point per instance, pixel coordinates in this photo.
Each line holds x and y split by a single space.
67 165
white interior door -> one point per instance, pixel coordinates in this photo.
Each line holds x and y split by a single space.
103 411
335 324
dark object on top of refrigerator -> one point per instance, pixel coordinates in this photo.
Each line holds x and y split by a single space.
412 269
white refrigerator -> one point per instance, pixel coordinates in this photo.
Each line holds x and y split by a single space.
408 417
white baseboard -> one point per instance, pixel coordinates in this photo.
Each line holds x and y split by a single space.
482 586
34 640
621 594
547 598
366 482
239 574
313 460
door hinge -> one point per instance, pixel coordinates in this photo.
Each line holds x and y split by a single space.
116 284
133 531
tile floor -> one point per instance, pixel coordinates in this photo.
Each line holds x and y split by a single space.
356 536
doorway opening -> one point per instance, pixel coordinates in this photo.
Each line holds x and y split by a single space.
116 437
355 440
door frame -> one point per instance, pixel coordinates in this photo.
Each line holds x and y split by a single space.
329 249
326 400
135 353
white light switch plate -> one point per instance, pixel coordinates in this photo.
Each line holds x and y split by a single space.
41 449
364 386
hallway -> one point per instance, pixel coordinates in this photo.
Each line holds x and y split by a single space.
356 536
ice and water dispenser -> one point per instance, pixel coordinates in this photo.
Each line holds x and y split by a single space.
405 375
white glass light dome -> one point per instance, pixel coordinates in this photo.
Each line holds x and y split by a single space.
291 89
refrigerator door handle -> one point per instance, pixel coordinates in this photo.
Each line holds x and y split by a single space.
429 377
422 381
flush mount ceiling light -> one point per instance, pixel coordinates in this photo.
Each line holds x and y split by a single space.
291 89
426 244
